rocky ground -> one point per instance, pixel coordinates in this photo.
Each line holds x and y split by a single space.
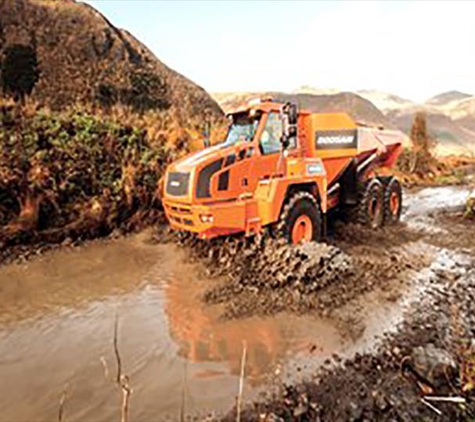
432 352
264 276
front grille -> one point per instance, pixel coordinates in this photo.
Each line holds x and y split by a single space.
177 183
179 220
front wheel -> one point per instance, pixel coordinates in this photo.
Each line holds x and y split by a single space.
300 220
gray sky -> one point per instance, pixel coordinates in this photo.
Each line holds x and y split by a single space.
413 49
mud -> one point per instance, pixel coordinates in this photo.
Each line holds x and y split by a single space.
265 276
183 323
56 330
436 339
430 350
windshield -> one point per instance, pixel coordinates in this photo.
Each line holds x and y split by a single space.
242 129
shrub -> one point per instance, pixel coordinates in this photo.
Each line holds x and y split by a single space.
75 174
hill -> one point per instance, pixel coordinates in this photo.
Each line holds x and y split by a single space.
360 109
450 117
95 121
447 97
385 101
68 53
451 136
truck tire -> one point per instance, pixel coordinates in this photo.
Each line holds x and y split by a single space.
371 206
392 201
301 219
369 210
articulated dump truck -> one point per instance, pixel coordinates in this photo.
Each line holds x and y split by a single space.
285 169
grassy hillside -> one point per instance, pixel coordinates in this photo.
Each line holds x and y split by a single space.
89 119
76 175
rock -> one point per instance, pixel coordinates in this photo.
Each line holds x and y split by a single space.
300 410
67 242
271 417
355 412
380 401
433 364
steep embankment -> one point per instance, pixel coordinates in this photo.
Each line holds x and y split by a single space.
72 176
69 53
90 120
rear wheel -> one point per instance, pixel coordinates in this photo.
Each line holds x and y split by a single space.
392 201
300 220
371 207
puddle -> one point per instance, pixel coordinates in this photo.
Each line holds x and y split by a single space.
421 205
56 327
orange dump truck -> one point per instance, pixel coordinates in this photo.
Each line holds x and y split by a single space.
286 169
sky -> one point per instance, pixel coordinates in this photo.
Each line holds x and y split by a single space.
412 49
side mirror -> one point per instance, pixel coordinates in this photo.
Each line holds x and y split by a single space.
292 113
289 116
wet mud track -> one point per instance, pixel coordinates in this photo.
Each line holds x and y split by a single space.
183 322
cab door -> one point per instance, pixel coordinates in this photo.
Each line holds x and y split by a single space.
267 160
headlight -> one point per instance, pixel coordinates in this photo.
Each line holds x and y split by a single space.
206 218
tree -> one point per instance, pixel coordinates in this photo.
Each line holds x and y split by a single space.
419 133
423 144
19 71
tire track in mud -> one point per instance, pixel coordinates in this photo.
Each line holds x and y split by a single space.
436 338
263 275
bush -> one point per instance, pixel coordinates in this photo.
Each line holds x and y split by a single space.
470 207
75 174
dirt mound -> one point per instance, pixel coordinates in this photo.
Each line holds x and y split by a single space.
263 275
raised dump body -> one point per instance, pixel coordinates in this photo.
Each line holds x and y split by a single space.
280 167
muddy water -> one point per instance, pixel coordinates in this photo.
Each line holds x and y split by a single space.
57 318
56 329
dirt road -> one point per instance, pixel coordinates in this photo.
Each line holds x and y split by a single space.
58 313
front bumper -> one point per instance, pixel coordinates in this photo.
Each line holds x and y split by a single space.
209 221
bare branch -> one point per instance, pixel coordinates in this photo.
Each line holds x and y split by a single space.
430 406
62 402
241 381
116 348
126 391
122 380
183 393
459 400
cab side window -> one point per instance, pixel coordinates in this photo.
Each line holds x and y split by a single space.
270 137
